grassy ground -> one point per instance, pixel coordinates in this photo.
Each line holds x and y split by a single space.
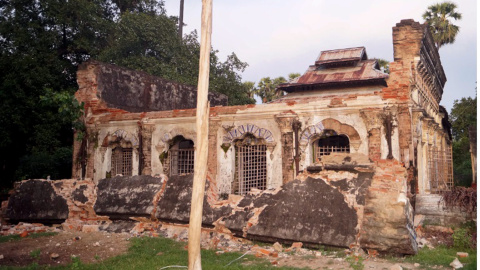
443 256
155 253
158 253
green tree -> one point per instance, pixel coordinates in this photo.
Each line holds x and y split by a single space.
225 78
250 86
149 42
384 65
267 88
463 116
438 17
41 45
292 76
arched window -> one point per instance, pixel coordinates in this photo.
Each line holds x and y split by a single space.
250 165
181 155
121 161
330 142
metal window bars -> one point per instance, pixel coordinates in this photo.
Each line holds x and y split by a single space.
251 168
121 161
326 150
181 161
440 169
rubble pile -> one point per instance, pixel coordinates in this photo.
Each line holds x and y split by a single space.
24 229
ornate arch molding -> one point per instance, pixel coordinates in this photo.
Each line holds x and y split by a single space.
242 130
314 131
166 139
120 136
188 135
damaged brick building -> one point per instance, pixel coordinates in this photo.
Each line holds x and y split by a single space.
337 161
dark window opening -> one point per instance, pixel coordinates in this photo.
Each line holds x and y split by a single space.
328 143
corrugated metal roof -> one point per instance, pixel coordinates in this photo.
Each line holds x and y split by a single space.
341 55
337 67
361 71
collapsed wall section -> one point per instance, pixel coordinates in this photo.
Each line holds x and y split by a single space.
355 207
69 202
388 217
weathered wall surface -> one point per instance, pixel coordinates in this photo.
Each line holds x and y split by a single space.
122 197
310 211
432 209
137 91
36 200
69 202
388 218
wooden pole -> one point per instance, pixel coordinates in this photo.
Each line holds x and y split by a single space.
201 145
180 21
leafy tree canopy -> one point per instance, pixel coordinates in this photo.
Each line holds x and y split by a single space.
383 64
438 17
267 88
41 45
463 116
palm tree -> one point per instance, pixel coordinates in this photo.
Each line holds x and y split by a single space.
438 18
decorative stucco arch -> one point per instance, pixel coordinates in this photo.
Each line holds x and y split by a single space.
312 132
168 136
240 132
118 136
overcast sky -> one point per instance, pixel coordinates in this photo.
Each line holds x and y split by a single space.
278 37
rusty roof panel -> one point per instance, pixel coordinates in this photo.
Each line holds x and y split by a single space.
338 67
341 55
363 71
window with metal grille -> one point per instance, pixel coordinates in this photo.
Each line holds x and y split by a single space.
182 157
251 165
121 161
440 169
330 142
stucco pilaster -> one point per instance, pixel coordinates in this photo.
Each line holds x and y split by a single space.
373 122
285 123
146 130
213 146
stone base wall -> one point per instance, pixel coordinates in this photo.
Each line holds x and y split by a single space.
432 210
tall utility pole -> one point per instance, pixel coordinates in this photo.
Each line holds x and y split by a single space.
180 21
201 145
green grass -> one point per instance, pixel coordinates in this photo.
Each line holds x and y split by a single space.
442 255
35 254
155 253
9 238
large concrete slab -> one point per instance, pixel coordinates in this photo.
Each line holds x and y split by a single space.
37 201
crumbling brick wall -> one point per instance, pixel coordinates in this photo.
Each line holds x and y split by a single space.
388 218
137 91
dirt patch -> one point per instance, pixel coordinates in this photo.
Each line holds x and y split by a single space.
88 247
